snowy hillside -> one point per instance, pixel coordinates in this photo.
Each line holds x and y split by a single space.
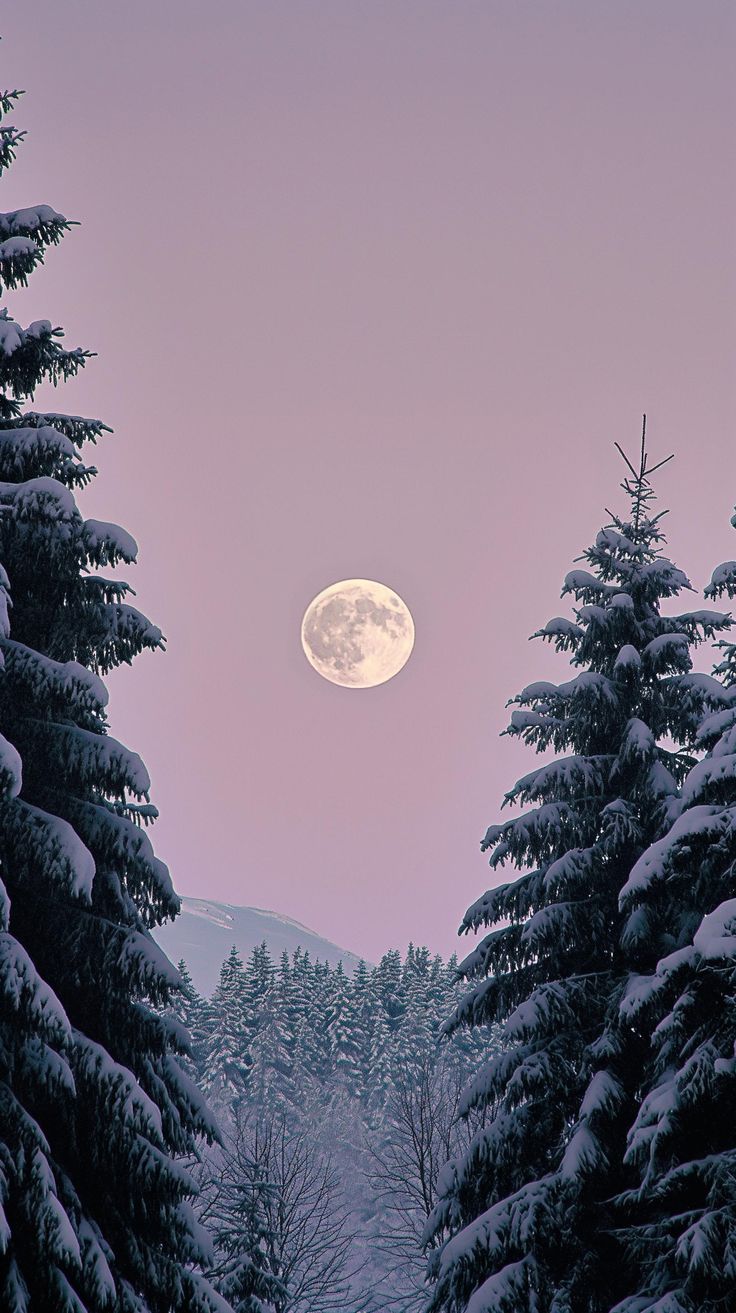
205 932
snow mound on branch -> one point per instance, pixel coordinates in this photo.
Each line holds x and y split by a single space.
716 936
29 219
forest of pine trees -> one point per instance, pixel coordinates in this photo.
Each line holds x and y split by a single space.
348 1075
273 1031
548 1128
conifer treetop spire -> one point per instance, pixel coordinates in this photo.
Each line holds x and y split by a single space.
639 487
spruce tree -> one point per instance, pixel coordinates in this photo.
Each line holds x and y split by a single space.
318 1051
389 973
94 1106
419 1032
679 1216
259 976
227 1034
342 1032
189 1008
380 1064
269 1077
361 1025
243 1235
525 1222
307 1012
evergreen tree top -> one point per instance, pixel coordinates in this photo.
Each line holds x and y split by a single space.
10 136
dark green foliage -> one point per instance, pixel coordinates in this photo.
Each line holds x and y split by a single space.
678 1217
526 1222
95 1110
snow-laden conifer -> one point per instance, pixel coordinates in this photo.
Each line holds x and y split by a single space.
227 1033
525 1221
679 1214
380 1064
95 1110
240 1200
189 1008
388 986
271 1050
361 1017
342 1032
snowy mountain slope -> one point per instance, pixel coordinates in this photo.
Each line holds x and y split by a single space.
205 932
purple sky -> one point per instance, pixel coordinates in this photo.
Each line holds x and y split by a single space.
375 286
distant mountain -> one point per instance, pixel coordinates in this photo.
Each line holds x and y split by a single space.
205 932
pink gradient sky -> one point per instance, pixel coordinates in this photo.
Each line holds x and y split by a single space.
375 286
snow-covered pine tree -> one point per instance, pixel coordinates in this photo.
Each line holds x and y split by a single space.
226 1034
317 1052
189 1008
419 1033
241 1208
361 1025
380 1063
306 1012
524 1224
260 973
271 1052
342 1032
270 1006
94 1107
679 1217
389 974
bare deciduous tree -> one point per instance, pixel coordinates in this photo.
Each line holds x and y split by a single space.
271 1198
422 1130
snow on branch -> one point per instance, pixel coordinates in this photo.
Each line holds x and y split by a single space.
86 760
38 676
24 992
716 935
704 823
78 428
723 580
713 778
41 844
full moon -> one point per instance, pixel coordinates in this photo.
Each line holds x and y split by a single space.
357 633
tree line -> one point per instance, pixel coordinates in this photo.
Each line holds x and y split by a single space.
271 1030
339 1104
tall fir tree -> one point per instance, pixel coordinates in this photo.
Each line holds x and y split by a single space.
525 1221
95 1109
342 1033
259 977
307 1013
389 975
679 1216
189 1008
318 1052
271 1052
418 1035
361 1024
243 1236
227 1034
